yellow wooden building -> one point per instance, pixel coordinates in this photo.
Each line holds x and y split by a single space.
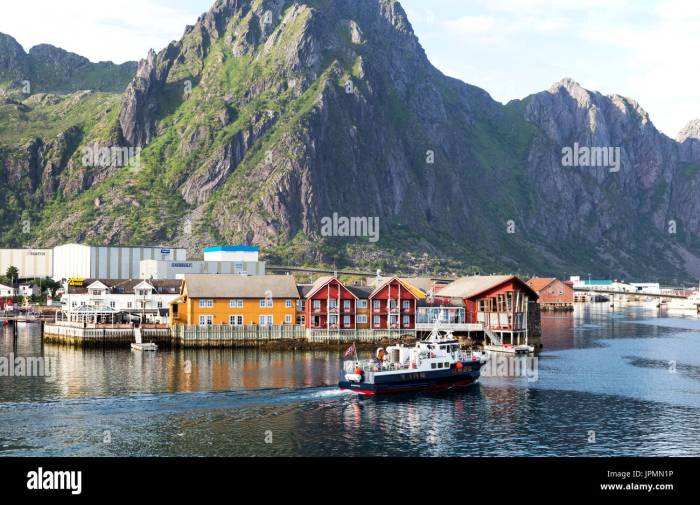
236 300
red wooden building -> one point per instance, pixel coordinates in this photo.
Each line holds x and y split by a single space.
393 305
330 306
499 302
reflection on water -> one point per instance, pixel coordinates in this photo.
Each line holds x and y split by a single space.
601 371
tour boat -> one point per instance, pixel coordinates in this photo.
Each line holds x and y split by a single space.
432 364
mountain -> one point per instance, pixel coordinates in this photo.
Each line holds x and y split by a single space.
48 69
269 116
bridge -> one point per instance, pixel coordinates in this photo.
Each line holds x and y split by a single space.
629 293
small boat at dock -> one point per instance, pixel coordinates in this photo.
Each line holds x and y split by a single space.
436 363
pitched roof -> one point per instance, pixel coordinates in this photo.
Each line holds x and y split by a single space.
322 281
467 287
126 286
361 292
539 283
241 286
387 280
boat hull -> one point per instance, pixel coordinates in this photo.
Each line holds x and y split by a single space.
415 381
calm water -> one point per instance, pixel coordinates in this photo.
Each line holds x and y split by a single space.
610 383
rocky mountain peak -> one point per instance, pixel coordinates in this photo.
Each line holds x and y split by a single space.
14 63
691 131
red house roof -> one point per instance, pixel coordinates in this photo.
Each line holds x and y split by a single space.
471 287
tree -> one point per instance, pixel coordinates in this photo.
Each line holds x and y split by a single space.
12 274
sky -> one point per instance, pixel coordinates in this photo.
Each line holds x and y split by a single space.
641 49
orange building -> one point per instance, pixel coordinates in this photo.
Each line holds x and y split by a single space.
236 300
553 293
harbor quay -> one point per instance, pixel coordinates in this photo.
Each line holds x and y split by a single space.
226 310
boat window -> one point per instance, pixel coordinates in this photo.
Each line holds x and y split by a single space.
439 365
432 365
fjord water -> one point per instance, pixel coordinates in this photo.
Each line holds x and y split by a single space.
610 382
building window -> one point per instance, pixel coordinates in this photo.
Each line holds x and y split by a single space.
362 319
160 305
317 304
129 305
236 320
393 320
206 320
347 304
406 321
332 304
346 321
376 304
266 303
288 304
407 304
361 304
288 319
265 320
392 304
205 303
376 321
333 321
235 304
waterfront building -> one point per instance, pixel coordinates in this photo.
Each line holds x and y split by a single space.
393 304
651 288
31 263
236 300
7 291
77 261
363 311
499 302
29 290
149 300
553 294
330 305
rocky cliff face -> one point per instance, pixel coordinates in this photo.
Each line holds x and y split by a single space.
270 115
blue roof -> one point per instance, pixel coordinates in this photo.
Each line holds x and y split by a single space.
597 283
232 248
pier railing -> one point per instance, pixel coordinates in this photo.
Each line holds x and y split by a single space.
350 336
233 336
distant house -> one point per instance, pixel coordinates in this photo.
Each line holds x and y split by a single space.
499 302
553 294
7 291
29 290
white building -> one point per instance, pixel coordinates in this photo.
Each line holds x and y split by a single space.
653 288
29 290
232 253
136 297
154 269
31 263
7 291
76 261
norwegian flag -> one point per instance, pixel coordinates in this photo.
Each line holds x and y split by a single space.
350 351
